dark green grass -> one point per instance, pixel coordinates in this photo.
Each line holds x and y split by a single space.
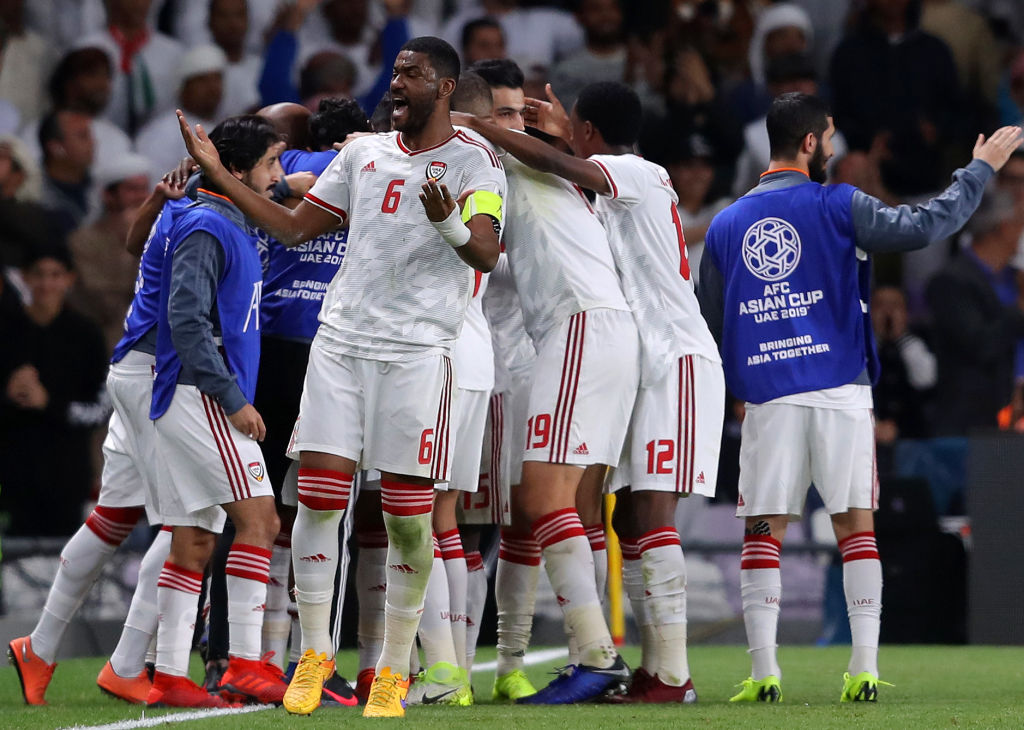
936 687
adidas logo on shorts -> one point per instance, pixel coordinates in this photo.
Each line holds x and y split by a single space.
581 450
700 478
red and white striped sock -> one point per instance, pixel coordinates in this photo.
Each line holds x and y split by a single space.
515 591
323 496
371 584
81 562
129 655
407 509
761 590
455 568
570 566
247 571
277 624
177 598
435 629
476 597
862 583
664 577
633 583
599 547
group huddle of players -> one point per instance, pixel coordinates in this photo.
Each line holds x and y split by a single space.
443 331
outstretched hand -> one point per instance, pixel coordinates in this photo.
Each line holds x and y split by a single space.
996 150
548 116
199 145
437 200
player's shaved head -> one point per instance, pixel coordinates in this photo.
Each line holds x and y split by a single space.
291 122
473 95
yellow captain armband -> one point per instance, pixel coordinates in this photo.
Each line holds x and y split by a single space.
482 202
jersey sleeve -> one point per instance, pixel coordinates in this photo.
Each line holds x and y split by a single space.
488 177
332 190
626 176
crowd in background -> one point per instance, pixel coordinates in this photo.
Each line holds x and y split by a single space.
88 89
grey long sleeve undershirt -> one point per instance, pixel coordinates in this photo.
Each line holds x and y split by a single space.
197 265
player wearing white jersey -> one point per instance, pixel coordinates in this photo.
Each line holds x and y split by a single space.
675 429
380 384
584 385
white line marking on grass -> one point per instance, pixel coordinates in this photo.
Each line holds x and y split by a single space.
536 657
173 718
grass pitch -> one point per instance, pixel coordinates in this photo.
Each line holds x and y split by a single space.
936 687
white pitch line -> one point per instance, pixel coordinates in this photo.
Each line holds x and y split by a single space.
177 717
536 657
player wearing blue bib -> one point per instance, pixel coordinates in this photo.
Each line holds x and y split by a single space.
207 357
784 286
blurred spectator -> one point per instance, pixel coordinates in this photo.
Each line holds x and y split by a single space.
535 37
63 22
193 18
891 79
229 23
66 140
327 74
721 31
1011 92
144 82
343 26
106 271
19 173
975 51
690 162
784 74
781 30
828 21
48 409
482 40
25 62
82 83
200 84
908 370
977 306
694 107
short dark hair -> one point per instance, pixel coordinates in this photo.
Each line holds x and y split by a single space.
791 117
614 109
500 73
474 25
76 63
442 56
791 67
57 250
334 120
241 141
380 120
50 130
472 94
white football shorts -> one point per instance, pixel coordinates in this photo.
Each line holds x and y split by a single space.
470 420
390 416
785 447
129 475
584 384
490 504
207 461
676 432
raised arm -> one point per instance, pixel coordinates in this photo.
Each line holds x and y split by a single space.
289 226
539 155
472 232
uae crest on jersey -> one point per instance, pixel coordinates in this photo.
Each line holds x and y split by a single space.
436 170
256 470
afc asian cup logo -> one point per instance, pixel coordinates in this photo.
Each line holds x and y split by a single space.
771 249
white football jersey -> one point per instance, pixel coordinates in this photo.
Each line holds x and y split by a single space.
646 238
513 348
401 292
557 249
474 355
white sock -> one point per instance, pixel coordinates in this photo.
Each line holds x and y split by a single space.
633 583
476 599
515 591
371 584
295 635
570 566
315 554
862 583
276 622
129 657
664 579
81 562
407 509
455 568
178 601
598 546
761 590
435 629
